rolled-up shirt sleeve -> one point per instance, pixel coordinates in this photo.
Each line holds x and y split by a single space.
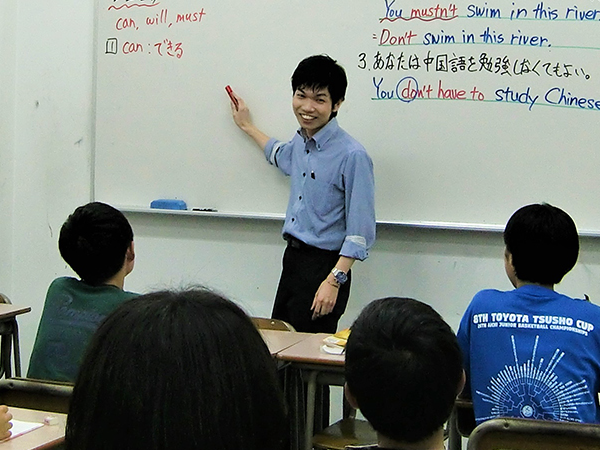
359 183
278 155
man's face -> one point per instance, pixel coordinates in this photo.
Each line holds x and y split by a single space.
313 108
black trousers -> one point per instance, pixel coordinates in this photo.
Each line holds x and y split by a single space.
304 269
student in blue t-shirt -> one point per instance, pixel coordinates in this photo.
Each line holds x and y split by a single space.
97 242
532 352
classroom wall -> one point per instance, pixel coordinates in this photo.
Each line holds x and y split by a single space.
51 143
7 80
45 173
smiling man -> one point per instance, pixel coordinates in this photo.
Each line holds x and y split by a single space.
330 218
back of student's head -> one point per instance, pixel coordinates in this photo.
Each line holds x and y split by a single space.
176 371
94 241
404 368
320 72
543 242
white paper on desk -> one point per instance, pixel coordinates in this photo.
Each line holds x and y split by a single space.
332 350
21 427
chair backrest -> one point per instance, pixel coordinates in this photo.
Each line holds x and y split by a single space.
4 299
460 423
36 394
262 323
465 416
528 434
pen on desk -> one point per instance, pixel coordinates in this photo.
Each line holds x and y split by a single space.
205 209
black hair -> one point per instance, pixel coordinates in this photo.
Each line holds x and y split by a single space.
543 242
404 367
320 72
94 241
177 371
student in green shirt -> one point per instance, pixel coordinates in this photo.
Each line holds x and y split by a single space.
97 242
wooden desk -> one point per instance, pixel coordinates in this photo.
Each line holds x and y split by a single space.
10 311
45 437
278 341
316 366
10 337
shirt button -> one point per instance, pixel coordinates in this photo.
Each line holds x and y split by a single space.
307 151
300 198
293 219
304 174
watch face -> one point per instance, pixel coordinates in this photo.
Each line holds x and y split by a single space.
341 277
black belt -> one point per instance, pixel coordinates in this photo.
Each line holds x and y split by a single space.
297 243
300 245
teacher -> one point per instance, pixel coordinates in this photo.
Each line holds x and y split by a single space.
330 218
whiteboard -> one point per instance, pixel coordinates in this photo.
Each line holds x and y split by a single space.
468 110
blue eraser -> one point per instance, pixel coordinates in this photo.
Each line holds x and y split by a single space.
167 203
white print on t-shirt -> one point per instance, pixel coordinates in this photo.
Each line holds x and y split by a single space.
533 391
532 321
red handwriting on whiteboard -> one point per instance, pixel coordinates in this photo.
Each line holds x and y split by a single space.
160 18
138 4
169 48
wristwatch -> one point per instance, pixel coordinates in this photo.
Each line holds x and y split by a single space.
340 276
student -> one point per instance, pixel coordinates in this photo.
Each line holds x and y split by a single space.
97 242
176 371
403 371
5 422
330 219
532 352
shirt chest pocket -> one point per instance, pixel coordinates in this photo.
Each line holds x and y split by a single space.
324 197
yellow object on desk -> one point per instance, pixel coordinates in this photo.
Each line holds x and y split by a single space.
336 343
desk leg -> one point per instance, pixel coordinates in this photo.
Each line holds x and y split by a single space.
16 349
311 392
5 353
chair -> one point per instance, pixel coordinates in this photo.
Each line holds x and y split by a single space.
9 332
36 394
347 432
461 423
529 434
262 323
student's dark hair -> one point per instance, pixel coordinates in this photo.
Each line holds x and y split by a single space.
404 367
320 72
544 243
94 241
177 371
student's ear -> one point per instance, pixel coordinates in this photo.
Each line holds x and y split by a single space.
350 397
130 258
509 267
508 257
130 254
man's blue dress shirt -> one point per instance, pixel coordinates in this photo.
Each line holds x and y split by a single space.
331 204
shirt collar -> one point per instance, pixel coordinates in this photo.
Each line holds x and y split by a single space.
324 134
535 290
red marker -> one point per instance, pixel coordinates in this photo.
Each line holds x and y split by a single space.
233 99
